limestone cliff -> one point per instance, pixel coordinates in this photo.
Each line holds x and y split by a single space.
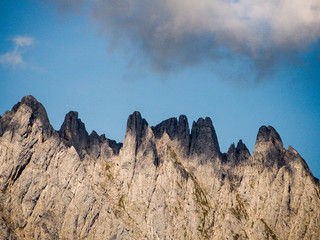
163 182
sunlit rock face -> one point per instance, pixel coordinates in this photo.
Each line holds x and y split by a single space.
163 182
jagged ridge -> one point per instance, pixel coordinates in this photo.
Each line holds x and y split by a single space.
162 182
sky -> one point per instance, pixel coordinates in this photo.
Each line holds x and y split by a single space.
243 63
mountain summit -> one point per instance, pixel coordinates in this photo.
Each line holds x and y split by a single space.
163 182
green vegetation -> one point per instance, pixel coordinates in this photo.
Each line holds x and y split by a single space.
121 202
107 167
232 187
185 234
200 196
117 213
268 230
252 184
201 199
172 153
236 213
239 211
109 176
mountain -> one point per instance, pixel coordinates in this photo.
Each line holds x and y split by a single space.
163 182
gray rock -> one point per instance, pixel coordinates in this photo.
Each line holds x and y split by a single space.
269 148
239 153
177 130
170 126
184 132
204 140
148 188
74 133
269 134
137 126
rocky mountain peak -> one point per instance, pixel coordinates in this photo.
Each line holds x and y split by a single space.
35 110
136 124
94 138
94 135
269 135
204 139
239 153
73 132
184 131
176 130
96 141
38 111
241 145
269 149
232 148
170 126
30 101
137 128
149 190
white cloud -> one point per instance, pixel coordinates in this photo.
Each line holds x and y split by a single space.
11 58
185 32
23 41
14 57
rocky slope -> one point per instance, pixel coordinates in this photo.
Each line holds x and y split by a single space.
162 183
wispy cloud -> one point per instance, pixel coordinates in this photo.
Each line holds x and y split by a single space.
22 41
65 6
11 58
14 57
176 33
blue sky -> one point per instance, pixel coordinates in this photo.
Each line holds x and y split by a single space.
105 65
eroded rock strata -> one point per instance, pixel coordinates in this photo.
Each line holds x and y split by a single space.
163 182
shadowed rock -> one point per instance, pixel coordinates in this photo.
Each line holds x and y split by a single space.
184 131
96 141
137 126
239 153
95 138
177 130
115 146
269 134
170 126
204 139
73 132
269 147
37 112
152 192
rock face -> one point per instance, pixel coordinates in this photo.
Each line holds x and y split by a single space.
177 130
162 183
239 153
74 133
204 140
